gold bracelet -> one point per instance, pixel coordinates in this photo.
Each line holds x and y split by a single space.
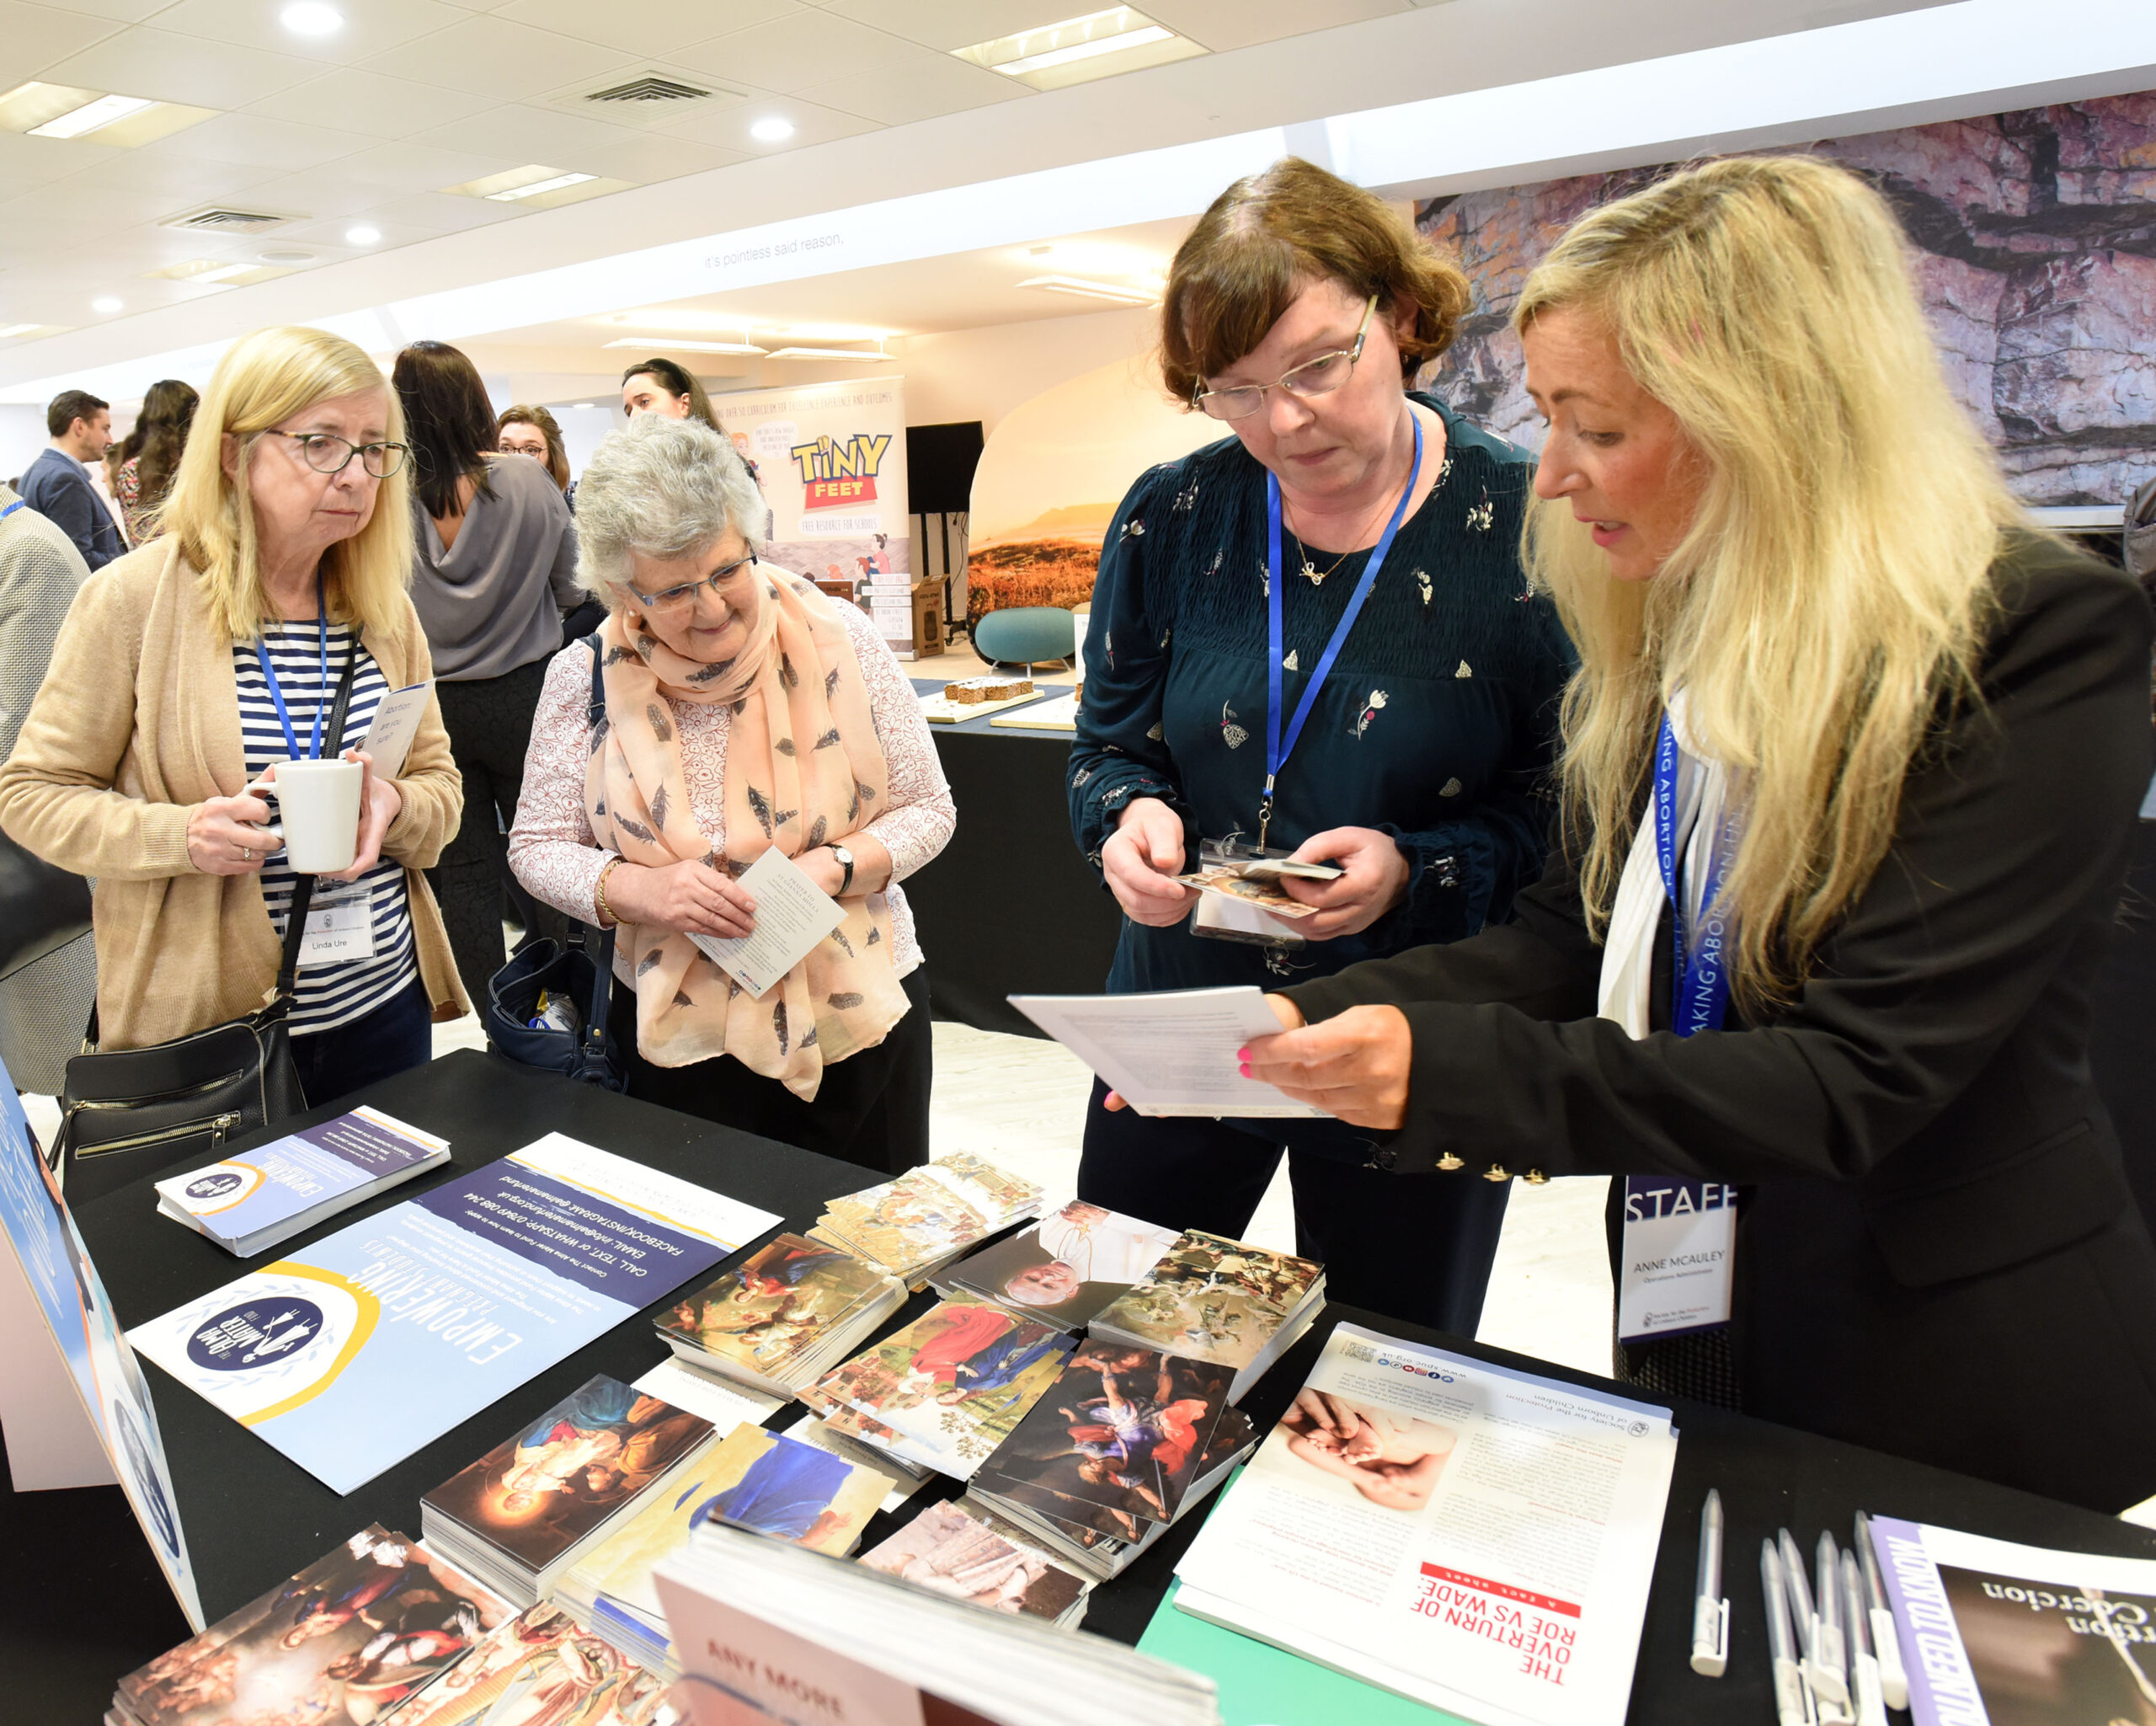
606 916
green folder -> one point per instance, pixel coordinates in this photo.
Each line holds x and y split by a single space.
1263 1685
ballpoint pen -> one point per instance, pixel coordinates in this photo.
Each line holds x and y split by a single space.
1798 1592
1792 1696
1863 1665
1710 1610
1827 1670
1885 1640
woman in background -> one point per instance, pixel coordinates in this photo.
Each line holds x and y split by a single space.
149 455
524 430
661 387
494 569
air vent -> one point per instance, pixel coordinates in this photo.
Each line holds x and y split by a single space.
216 219
648 90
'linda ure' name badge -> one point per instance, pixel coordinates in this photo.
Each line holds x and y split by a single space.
1680 1243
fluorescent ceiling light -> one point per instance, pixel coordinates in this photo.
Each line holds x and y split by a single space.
311 18
1091 49
584 407
555 184
1097 44
1090 290
90 116
9 331
774 129
826 354
648 342
363 236
534 180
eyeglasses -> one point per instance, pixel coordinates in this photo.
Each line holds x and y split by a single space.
674 598
1314 377
327 453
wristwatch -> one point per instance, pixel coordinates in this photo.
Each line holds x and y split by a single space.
846 862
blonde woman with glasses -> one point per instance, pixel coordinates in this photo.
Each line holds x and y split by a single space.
194 665
1850 767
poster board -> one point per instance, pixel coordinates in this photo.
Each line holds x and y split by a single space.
72 1301
831 462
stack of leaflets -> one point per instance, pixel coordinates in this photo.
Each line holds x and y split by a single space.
782 1318
764 1627
1210 1298
758 1480
524 1512
251 1200
1064 1269
540 1669
914 1226
353 1637
1114 1447
959 1550
945 1391
1475 1539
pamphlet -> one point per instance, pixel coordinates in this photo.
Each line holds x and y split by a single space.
2018 1636
1170 1053
1477 1539
393 1330
396 723
792 914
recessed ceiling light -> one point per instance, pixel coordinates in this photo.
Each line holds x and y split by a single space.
107 303
1096 45
688 347
362 235
772 128
536 187
90 116
1085 290
311 18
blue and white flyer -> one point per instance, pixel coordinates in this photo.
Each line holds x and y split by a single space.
249 1202
389 1333
72 1298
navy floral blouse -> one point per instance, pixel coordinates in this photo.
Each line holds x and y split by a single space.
1436 724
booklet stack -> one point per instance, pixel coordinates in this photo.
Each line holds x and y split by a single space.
944 1391
1125 1441
757 1480
761 1627
959 1550
250 1201
540 1667
914 1226
1066 1267
784 1318
355 1635
1210 1298
526 1510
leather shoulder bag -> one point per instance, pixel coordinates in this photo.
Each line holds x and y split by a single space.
127 1113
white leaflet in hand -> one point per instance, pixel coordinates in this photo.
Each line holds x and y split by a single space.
1171 1053
792 914
396 723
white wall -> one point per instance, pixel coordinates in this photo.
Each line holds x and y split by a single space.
983 374
22 435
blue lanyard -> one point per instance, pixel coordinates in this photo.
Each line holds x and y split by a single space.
1701 979
1277 747
321 694
11 509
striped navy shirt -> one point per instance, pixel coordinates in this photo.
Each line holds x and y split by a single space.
332 994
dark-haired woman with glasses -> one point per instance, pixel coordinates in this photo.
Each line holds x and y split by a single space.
1313 637
493 569
192 667
744 713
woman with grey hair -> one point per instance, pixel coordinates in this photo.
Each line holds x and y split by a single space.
743 711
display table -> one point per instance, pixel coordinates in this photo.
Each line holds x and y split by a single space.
253 1518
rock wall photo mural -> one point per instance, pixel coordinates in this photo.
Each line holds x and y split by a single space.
2036 253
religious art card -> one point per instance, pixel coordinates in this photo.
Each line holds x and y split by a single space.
929 1213
1067 1267
1264 891
540 1669
948 1552
346 1643
777 1307
546 1488
1211 1298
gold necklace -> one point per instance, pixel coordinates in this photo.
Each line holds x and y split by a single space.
1310 571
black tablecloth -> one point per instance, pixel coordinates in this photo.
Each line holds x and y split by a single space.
84 1605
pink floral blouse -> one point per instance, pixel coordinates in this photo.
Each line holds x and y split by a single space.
551 846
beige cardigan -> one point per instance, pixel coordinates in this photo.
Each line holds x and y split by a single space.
136 723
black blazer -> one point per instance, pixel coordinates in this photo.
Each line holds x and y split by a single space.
1941 1258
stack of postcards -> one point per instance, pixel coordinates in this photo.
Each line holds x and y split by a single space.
1065 1269
781 1319
758 1480
1123 1445
914 1226
1210 1298
961 1551
946 1390
539 1666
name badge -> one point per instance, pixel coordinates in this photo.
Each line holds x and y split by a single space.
1679 1244
1221 918
339 928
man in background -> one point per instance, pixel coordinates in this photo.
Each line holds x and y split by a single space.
57 484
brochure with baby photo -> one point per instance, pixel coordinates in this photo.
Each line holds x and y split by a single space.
1211 1298
1066 1269
1477 1539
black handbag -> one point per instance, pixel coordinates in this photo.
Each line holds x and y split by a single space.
125 1113
42 907
569 972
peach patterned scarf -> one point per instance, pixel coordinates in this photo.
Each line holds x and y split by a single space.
803 767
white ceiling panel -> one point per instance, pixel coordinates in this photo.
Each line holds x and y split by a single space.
528 134
183 179
813 123
27 161
802 49
115 11
507 61
1223 24
370 26
959 24
646 156
937 85
318 194
438 212
176 68
650 27
32 37
370 102
250 141
410 167
327 237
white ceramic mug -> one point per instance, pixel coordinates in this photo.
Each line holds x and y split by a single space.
318 809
